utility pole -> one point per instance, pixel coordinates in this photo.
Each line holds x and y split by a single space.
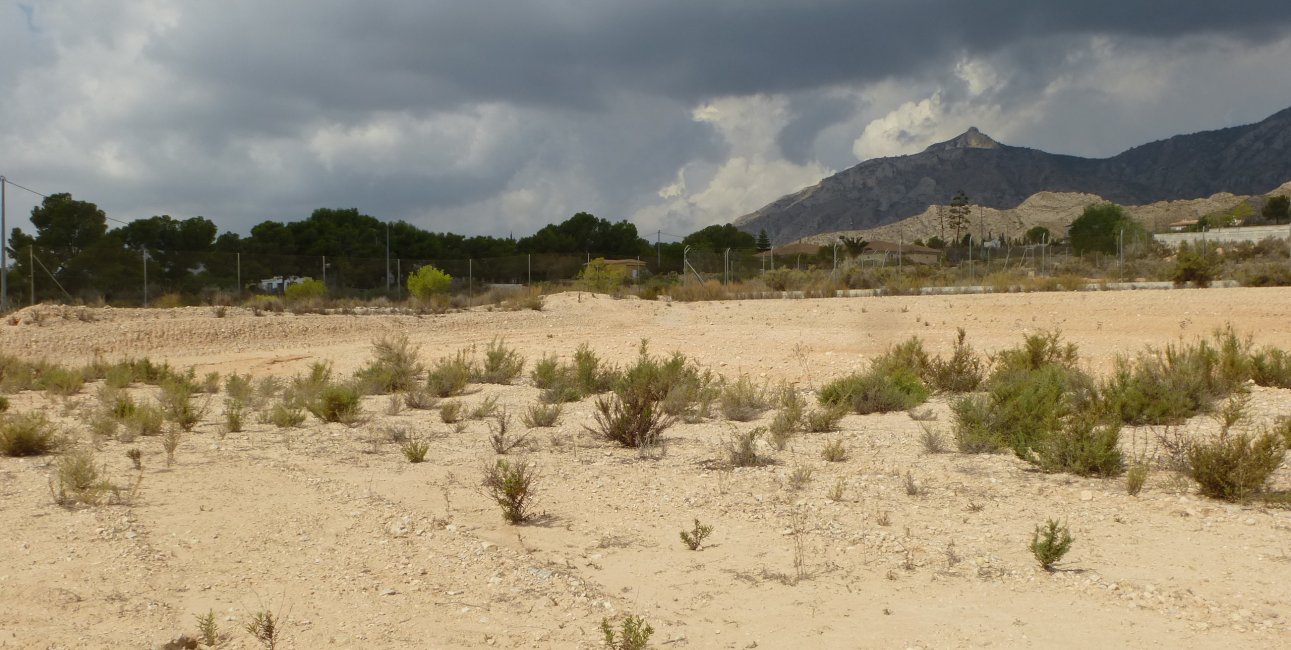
239 258
144 251
387 259
4 254
658 255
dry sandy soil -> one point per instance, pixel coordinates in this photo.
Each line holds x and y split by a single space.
357 548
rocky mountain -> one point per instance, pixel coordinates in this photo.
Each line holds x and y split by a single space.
1242 160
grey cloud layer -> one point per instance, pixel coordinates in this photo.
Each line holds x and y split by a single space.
490 116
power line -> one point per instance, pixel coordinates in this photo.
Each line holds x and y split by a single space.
45 196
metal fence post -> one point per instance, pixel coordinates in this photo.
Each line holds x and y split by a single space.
144 251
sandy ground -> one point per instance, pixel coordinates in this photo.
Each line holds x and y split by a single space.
360 549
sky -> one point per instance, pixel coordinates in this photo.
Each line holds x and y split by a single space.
497 117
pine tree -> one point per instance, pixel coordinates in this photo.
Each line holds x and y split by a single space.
764 242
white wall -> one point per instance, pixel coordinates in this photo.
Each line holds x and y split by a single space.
1249 233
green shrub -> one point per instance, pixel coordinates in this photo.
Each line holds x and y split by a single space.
144 420
908 355
542 415
1049 543
177 404
834 451
1271 367
1084 447
744 400
4 403
394 368
694 538
546 372
450 375
1195 264
60 381
501 364
1036 351
286 414
963 372
427 282
591 375
511 485
1170 385
27 434
880 390
1235 466
823 420
634 633
336 403
634 416
414 449
742 448
973 434
601 277
305 291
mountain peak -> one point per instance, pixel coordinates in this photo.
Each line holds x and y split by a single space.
970 139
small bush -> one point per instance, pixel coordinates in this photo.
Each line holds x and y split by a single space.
742 448
1049 543
485 409
1135 477
450 375
500 437
234 412
414 449
883 389
337 403
301 292
1235 466
501 364
62 382
634 416
932 441
1083 447
834 451
542 415
1195 264
394 366
591 375
1170 385
428 282
1271 367
177 404
450 411
694 538
4 403
744 400
420 399
634 633
546 372
286 414
963 372
824 420
27 434
77 479
238 387
511 485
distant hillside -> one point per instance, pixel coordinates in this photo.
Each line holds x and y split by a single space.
1053 210
1241 160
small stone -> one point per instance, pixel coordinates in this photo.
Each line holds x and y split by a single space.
1086 495
389 591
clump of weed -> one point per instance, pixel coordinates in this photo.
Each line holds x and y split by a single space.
4 403
836 491
208 631
742 448
144 420
136 457
234 413
487 408
963 372
634 416
633 634
239 387
58 381
542 415
394 367
694 538
893 383
501 364
791 416
1235 466
912 488
511 485
266 627
170 442
1271 367
177 403
450 375
337 403
1082 446
450 411
420 399
27 434
414 449
286 414
834 451
79 480
932 441
500 437
743 400
824 420
1170 385
800 476
1049 543
1135 477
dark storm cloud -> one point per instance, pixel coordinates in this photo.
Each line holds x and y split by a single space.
478 115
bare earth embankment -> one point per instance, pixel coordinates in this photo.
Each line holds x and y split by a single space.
332 527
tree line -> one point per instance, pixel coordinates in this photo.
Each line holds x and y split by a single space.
73 253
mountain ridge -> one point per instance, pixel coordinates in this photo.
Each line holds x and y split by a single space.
1243 160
